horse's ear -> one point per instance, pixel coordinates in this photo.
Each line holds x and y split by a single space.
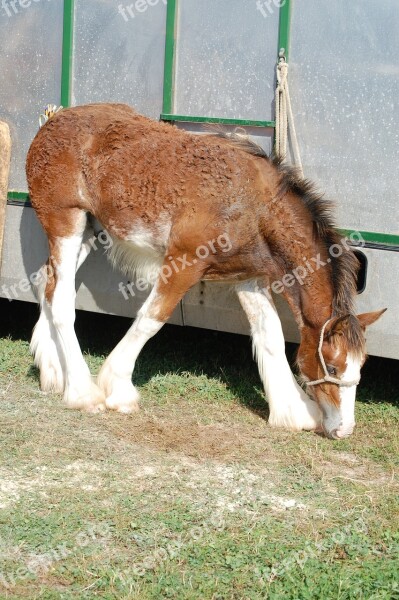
367 319
337 326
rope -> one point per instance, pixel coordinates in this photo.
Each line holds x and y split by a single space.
285 116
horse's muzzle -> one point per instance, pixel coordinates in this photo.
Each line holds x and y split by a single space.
340 432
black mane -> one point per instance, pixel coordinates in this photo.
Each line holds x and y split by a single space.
343 268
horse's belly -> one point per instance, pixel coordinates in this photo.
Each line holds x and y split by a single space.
141 251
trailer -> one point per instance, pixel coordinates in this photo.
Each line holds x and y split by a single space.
192 62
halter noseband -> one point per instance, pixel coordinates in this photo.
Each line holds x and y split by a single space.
327 377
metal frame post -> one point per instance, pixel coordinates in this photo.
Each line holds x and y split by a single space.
284 28
67 52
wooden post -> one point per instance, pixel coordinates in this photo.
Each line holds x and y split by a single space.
5 157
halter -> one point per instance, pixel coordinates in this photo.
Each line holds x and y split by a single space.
327 377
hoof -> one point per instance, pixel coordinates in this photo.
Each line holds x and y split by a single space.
90 400
124 398
122 405
94 409
121 395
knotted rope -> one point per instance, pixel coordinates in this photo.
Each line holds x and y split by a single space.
284 116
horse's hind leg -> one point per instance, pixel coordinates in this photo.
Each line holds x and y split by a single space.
65 241
289 406
45 343
115 377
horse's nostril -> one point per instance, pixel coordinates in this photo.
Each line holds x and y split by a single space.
340 433
334 434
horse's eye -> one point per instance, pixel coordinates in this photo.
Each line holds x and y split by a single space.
331 370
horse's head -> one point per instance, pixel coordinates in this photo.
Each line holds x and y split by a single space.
329 361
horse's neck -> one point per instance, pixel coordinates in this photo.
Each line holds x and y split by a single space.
311 299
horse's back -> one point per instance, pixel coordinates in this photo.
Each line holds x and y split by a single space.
125 168
70 130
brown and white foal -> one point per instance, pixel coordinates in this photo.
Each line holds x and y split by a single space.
161 194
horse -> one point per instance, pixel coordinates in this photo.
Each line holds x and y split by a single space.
163 195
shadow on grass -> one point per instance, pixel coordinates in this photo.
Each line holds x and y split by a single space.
222 356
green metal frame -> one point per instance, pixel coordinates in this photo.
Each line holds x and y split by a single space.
221 120
285 28
383 239
169 88
170 49
67 52
169 72
66 76
18 196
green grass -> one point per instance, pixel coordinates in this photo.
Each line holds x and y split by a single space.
195 497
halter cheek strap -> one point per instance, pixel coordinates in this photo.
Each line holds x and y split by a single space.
327 377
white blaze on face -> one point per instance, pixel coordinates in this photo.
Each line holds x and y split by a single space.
348 396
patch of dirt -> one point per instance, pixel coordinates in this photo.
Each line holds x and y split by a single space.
250 445
218 442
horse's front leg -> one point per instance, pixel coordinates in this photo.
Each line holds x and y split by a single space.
115 377
289 406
